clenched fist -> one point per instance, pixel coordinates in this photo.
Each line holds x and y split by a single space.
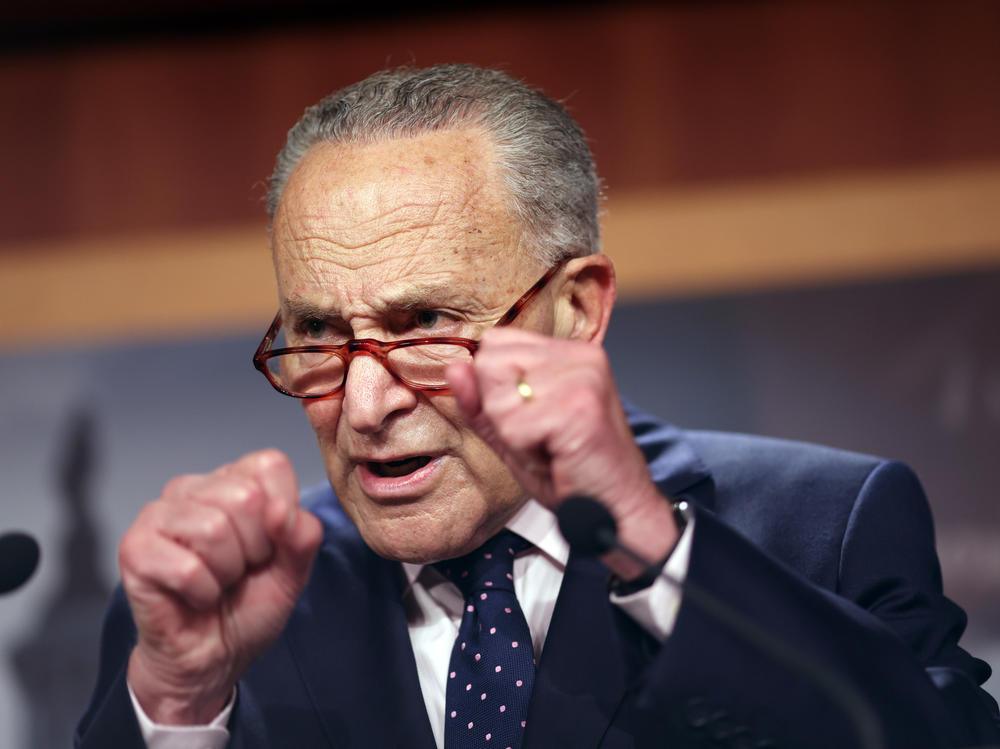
550 409
212 570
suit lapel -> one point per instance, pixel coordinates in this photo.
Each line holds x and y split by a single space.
353 650
579 681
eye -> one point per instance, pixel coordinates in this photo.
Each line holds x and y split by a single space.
317 330
427 319
314 328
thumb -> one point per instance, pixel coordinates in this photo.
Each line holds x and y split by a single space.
295 548
461 378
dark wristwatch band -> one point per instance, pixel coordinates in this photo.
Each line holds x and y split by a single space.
621 587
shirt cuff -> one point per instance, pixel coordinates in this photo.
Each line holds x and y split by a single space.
655 608
215 735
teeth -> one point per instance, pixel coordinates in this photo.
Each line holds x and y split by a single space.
395 468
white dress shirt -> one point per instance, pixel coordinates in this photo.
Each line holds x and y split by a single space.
434 611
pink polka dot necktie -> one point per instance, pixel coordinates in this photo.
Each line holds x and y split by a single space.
492 665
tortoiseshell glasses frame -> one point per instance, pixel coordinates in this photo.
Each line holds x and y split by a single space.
380 350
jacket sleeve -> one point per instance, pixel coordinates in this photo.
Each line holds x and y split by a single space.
109 719
887 632
889 567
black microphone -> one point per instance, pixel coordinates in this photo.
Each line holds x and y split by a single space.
590 529
587 525
18 559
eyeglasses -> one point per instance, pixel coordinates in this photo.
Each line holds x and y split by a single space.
418 363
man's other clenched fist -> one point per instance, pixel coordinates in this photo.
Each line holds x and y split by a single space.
212 570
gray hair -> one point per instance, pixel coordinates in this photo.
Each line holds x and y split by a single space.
547 166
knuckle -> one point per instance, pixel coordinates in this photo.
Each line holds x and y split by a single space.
226 469
129 549
267 462
272 459
588 402
188 572
215 528
178 486
130 581
593 364
132 544
245 497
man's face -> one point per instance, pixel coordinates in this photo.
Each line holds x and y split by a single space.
404 239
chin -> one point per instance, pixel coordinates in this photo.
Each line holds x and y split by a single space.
412 533
401 544
428 528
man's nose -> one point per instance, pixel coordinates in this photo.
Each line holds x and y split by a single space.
372 395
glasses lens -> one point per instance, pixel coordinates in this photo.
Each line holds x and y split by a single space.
308 373
425 363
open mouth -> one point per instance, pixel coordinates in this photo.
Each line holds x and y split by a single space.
397 468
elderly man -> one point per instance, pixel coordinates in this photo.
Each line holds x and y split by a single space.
442 305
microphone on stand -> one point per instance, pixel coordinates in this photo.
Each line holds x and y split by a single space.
591 530
19 555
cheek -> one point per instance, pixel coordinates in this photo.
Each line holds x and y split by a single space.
323 416
492 478
483 467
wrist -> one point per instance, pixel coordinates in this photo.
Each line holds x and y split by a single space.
620 587
172 701
651 530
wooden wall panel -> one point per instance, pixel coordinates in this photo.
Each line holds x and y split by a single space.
152 135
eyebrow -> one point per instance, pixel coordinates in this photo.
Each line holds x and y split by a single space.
417 296
300 309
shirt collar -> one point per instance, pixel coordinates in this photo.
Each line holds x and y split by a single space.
533 522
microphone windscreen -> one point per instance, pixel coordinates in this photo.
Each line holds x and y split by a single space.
18 558
587 525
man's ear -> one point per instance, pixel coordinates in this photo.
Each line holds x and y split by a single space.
585 298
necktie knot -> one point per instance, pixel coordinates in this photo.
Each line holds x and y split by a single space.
490 567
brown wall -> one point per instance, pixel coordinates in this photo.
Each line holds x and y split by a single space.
158 134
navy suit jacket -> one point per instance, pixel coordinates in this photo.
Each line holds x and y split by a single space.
831 552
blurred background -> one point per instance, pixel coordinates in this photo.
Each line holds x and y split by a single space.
803 203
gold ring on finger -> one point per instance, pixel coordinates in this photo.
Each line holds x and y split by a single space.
524 390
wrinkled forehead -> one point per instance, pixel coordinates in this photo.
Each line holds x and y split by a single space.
361 216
